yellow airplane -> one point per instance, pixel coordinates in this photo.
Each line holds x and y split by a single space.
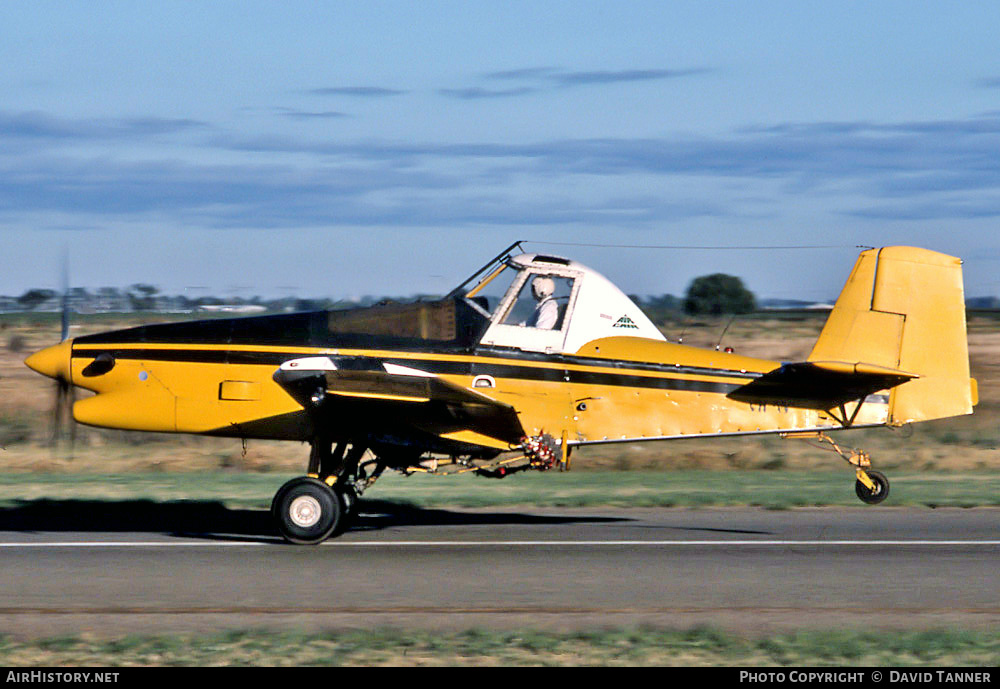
530 357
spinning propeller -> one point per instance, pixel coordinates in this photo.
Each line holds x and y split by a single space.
65 390
54 362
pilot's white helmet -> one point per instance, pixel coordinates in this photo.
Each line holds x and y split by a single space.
542 287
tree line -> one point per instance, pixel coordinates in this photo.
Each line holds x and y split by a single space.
714 294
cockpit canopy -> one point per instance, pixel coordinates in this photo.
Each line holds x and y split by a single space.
531 302
551 304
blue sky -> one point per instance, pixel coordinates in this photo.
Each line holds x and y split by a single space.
341 149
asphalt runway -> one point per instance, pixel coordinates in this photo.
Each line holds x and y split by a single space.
113 568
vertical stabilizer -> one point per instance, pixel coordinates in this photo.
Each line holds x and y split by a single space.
904 308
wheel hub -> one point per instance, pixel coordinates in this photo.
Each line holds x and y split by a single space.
305 511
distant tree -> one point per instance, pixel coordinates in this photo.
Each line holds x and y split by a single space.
142 297
34 298
109 299
717 294
185 303
311 304
77 297
659 308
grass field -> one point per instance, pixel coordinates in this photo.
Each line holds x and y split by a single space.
485 648
689 489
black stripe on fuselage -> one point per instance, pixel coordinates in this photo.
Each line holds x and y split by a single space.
555 369
445 324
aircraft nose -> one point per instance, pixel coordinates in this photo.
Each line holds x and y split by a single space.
53 361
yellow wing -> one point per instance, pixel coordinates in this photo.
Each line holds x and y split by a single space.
399 399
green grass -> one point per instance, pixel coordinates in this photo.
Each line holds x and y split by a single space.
767 489
476 647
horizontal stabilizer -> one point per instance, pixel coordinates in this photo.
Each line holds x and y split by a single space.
820 384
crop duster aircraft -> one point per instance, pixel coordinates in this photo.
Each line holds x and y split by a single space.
530 357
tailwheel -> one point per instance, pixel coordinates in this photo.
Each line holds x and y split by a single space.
307 511
872 487
877 492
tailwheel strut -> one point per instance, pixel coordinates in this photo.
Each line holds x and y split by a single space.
871 487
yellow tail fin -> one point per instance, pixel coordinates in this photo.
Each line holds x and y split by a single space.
904 308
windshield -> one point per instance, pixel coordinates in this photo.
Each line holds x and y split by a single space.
488 293
490 269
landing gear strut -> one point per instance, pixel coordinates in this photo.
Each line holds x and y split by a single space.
309 509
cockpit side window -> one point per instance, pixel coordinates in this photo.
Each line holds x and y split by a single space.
541 302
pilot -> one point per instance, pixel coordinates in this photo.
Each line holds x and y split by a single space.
547 310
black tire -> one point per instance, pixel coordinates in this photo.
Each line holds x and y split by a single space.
879 494
348 498
306 511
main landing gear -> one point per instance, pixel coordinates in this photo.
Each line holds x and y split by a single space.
309 509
